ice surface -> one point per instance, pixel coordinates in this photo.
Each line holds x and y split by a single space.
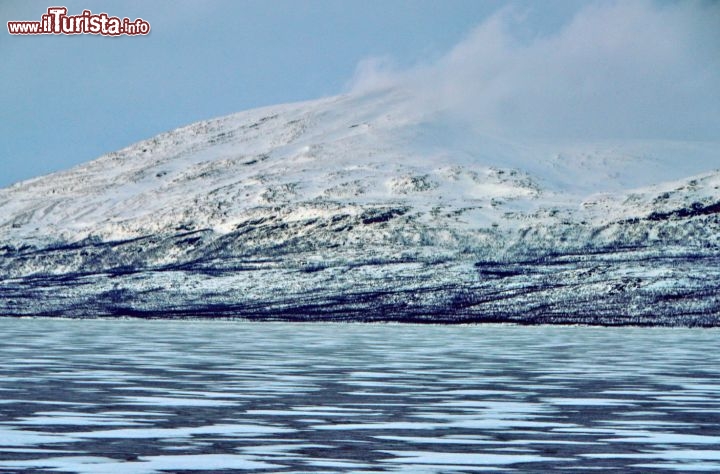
467 397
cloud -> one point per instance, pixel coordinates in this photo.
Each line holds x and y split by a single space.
614 71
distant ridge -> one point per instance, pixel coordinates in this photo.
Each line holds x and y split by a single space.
361 208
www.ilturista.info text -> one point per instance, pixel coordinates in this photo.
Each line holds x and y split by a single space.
56 21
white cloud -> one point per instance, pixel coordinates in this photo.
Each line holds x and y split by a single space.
616 70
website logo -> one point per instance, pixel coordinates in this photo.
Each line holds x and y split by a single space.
57 22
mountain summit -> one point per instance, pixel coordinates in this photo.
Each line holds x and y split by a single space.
365 207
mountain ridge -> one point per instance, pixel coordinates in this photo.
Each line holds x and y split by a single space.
365 207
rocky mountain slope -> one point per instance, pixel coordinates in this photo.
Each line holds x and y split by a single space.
363 207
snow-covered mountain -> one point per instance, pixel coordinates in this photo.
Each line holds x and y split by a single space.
365 207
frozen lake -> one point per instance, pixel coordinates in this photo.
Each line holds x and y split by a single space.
155 396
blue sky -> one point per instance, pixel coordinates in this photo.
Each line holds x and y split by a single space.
68 99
